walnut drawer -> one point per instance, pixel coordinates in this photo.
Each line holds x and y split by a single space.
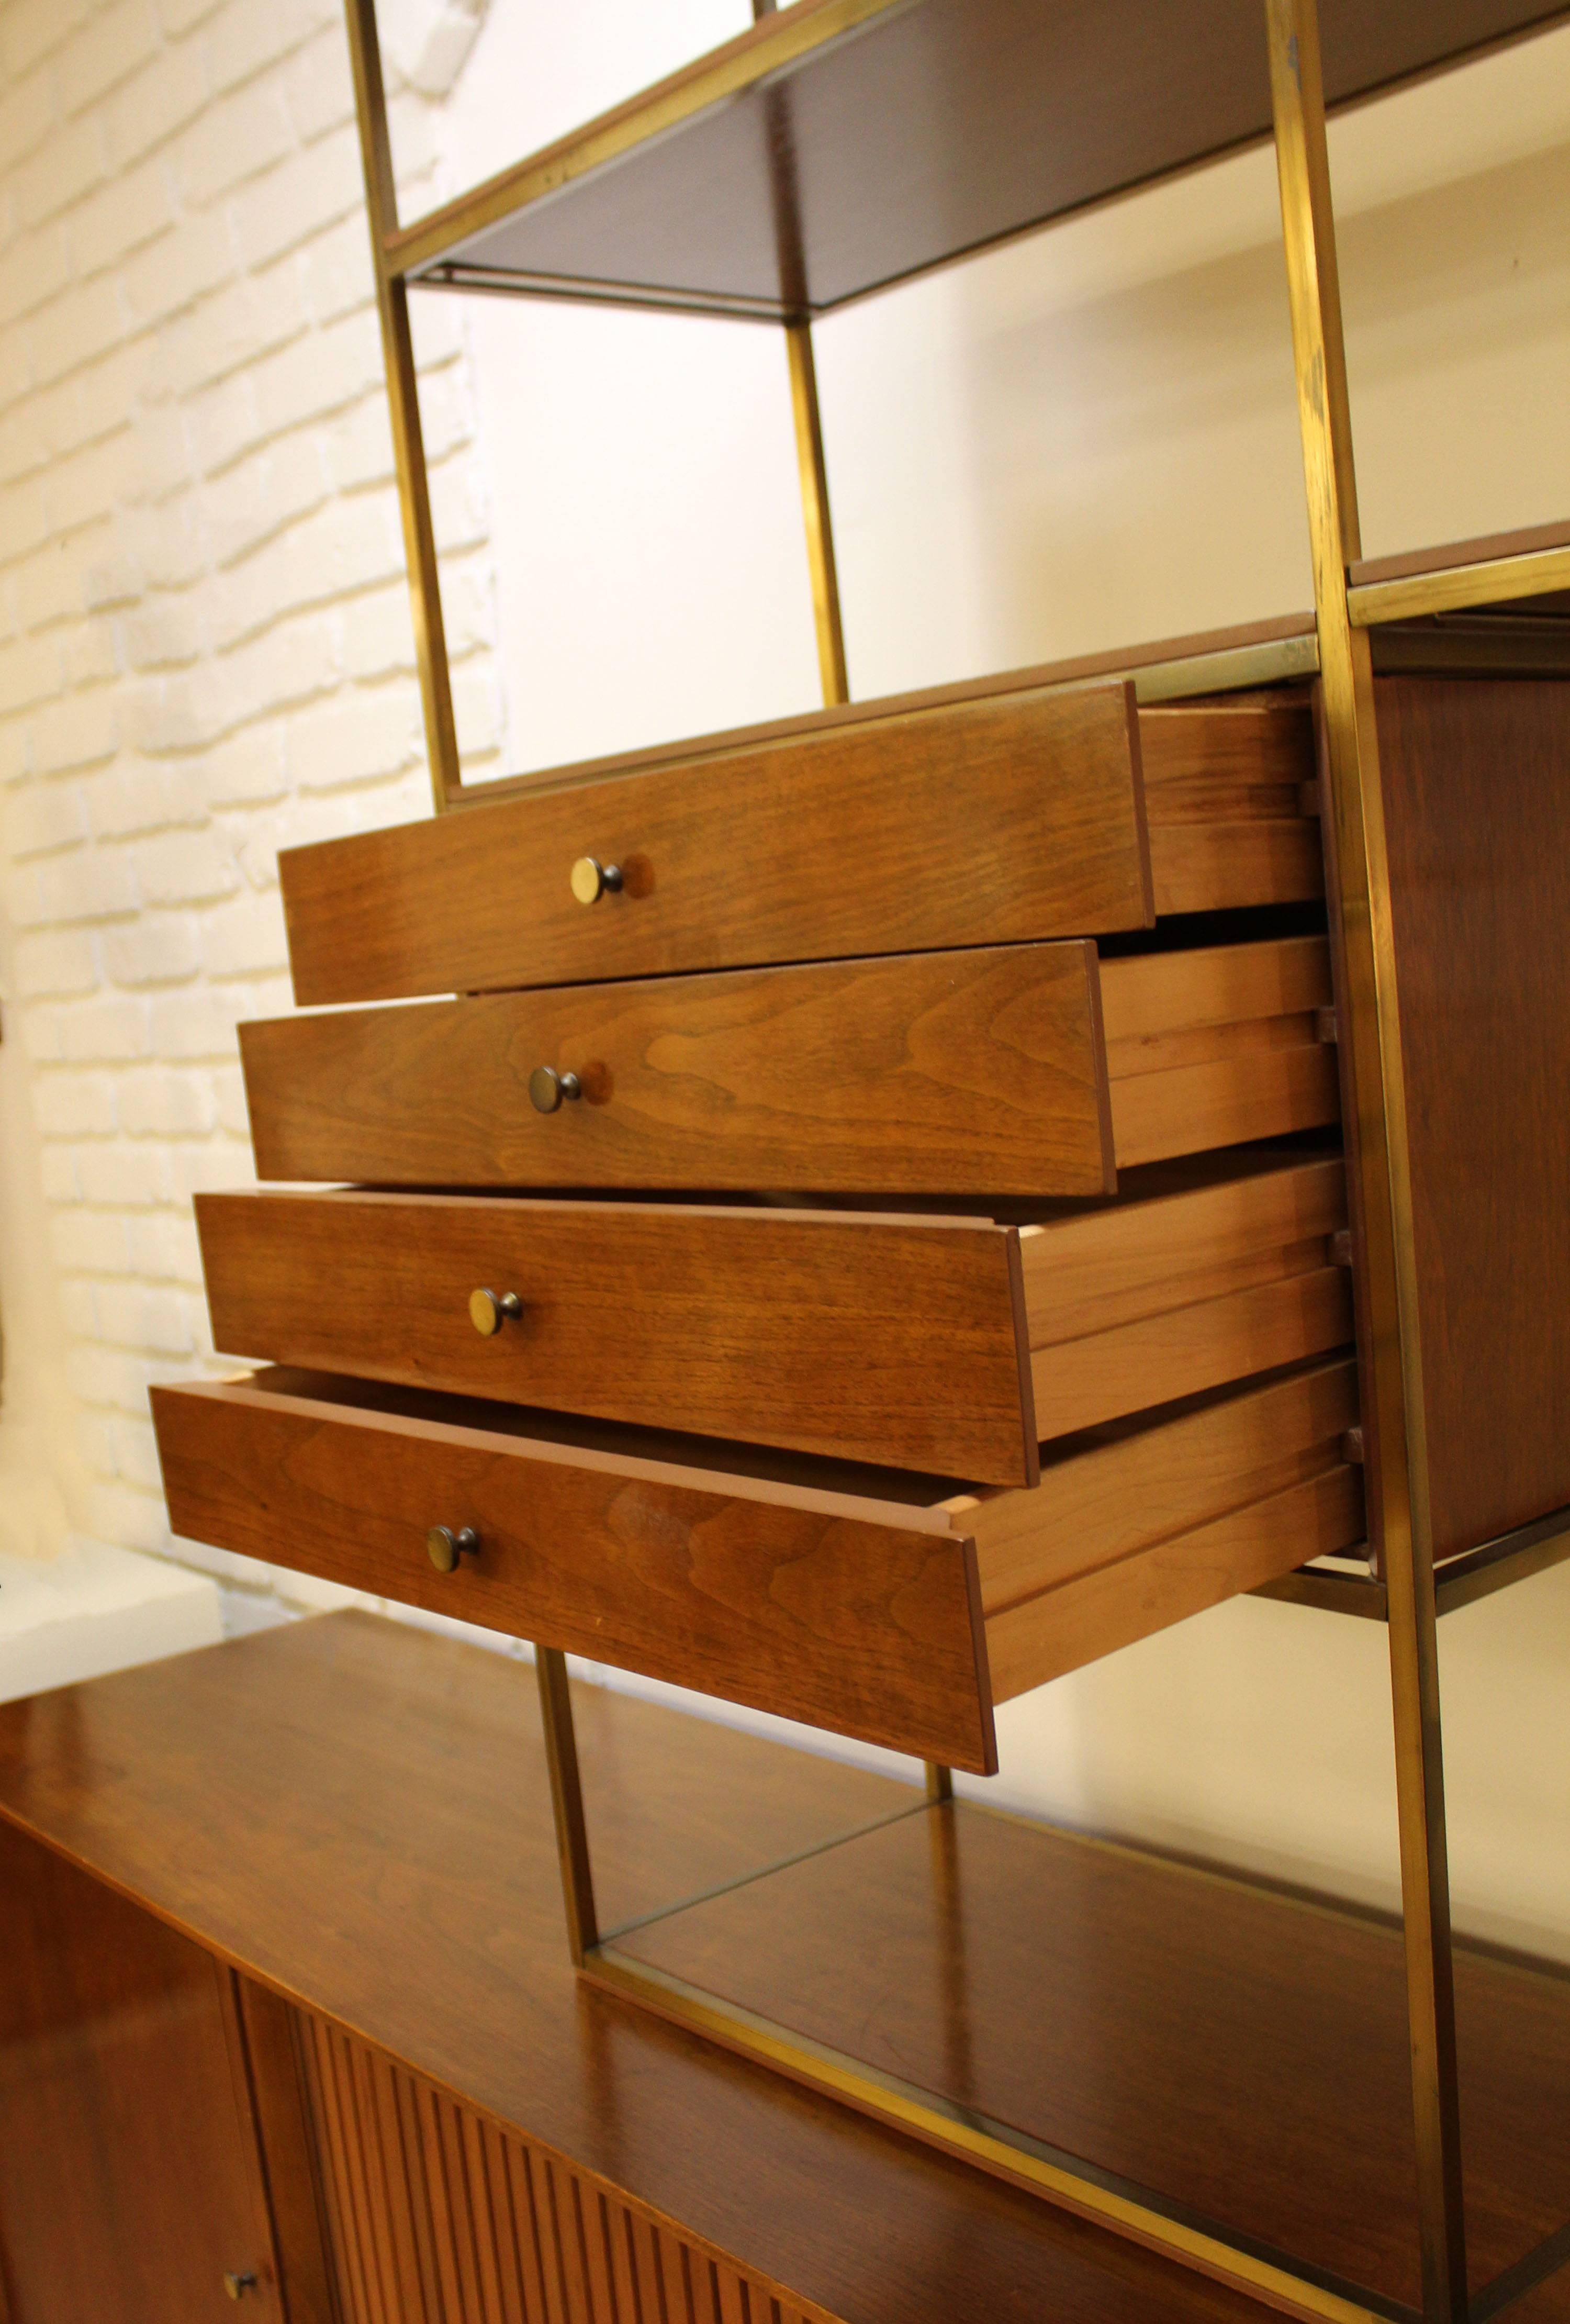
1002 1070
1003 817
876 1604
932 1342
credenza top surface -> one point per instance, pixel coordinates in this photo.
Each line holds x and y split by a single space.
358 1814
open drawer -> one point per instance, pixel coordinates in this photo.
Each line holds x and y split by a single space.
945 1344
1007 815
1002 1070
879 1604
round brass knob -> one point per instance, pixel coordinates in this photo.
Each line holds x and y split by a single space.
444 1547
547 1088
591 879
488 1310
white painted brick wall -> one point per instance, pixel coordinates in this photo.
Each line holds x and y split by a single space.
206 651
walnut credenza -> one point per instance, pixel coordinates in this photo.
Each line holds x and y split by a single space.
286 1997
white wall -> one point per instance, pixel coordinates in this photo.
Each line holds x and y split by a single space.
204 653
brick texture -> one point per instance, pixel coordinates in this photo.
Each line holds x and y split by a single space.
205 650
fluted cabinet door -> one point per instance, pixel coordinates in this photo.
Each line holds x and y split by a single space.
438 2216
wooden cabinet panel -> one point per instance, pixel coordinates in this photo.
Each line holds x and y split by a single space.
438 2213
994 821
976 1071
862 1336
1474 777
128 2177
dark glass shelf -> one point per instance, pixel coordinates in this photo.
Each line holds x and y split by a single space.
845 145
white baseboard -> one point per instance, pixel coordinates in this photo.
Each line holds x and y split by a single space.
96 1609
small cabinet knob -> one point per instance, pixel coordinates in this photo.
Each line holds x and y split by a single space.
547 1088
238 2281
488 1310
444 1547
591 879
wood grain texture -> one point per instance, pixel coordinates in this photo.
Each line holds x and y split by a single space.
1218 1046
438 2213
273 2070
126 2185
856 1600
1223 800
867 1337
858 1615
1479 847
397 1874
1150 2017
1151 1301
968 1072
1151 661
1120 1491
1098 1611
996 821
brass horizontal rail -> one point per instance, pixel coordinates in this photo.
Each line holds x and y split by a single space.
575 291
741 64
1459 1582
1494 581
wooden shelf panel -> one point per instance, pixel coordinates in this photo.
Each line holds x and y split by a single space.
841 146
1238 2050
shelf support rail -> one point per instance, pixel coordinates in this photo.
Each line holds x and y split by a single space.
1396 1467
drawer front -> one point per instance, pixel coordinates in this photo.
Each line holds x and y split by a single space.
856 1615
898 1341
1001 820
978 1072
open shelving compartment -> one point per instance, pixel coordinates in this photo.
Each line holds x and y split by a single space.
1265 2083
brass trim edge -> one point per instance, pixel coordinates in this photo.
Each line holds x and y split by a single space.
1496 581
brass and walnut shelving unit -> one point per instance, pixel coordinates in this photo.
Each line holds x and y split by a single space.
775 180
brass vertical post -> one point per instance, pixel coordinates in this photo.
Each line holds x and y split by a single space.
419 541
940 1783
556 1711
803 375
815 477
1397 1470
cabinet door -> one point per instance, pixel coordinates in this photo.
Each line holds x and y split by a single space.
129 2186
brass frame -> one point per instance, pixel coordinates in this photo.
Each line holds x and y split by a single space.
1407 1594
